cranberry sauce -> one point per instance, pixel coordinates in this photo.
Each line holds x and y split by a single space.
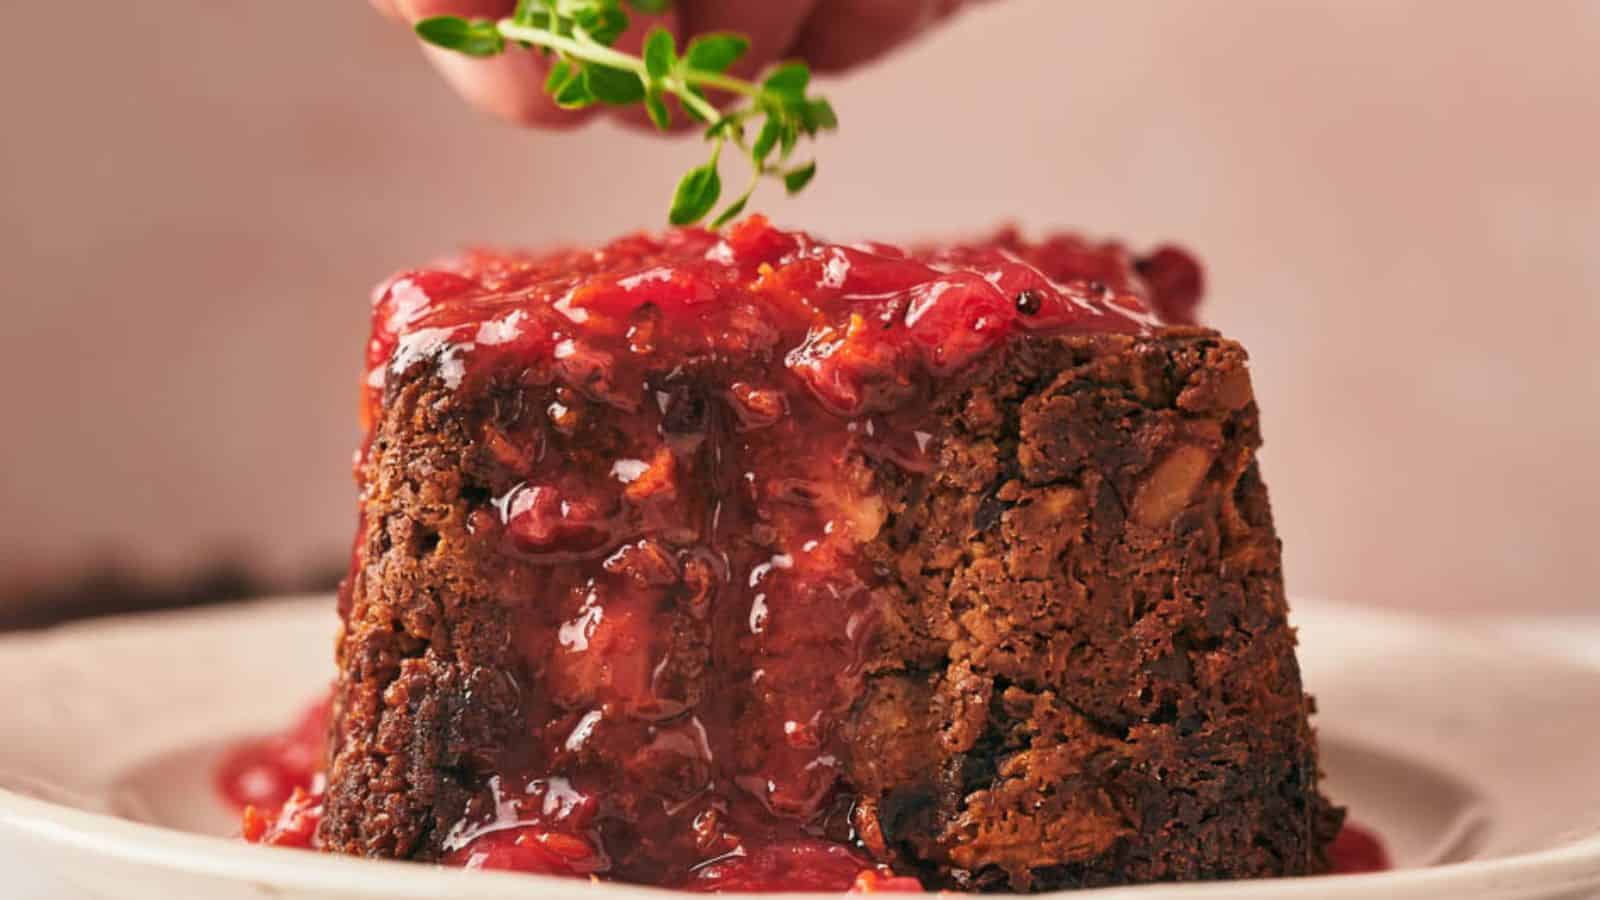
839 318
1357 850
294 825
276 781
683 510
277 773
264 772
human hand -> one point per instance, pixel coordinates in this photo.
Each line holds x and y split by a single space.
830 35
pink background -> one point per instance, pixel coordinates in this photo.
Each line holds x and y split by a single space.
1398 203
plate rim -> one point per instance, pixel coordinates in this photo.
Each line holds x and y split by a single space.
1565 868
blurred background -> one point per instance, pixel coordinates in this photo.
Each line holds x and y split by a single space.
1398 204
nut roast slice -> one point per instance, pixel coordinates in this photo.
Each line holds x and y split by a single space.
750 560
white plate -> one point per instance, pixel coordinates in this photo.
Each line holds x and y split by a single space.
1474 759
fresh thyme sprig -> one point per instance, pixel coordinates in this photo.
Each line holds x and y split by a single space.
586 69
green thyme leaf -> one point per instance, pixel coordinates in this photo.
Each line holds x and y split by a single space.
533 13
766 139
788 136
559 73
715 52
659 53
788 81
656 106
730 125
697 194
614 86
574 93
795 180
818 116
474 38
578 37
690 107
602 24
732 212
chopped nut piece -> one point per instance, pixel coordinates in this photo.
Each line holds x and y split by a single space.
1167 489
757 407
657 481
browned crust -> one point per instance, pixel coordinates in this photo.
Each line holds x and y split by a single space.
424 692
1088 677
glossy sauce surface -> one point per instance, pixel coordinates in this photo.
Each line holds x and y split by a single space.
690 502
1358 850
288 813
842 318
265 772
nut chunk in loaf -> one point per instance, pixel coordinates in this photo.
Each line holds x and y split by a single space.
751 561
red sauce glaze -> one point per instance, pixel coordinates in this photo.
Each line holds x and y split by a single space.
800 865
630 772
1357 850
842 317
294 825
265 772
739 373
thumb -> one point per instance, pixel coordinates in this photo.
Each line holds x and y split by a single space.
509 86
412 10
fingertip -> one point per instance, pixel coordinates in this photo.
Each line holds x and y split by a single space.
771 26
386 7
423 9
842 34
509 87
641 24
